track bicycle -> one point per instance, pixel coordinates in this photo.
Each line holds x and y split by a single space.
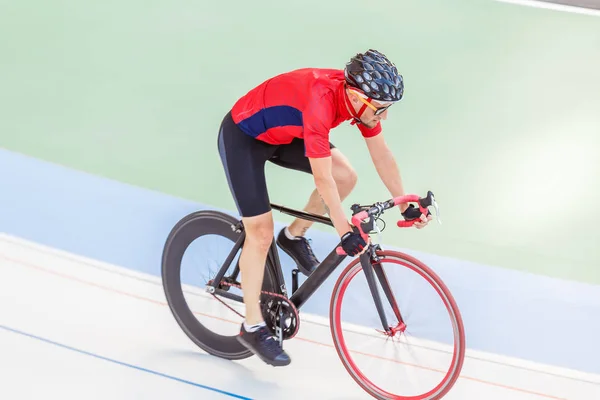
372 272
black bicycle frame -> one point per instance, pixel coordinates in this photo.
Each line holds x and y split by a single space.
302 293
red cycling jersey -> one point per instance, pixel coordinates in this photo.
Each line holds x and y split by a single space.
306 103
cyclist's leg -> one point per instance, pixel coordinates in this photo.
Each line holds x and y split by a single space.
259 236
345 178
291 239
292 156
243 159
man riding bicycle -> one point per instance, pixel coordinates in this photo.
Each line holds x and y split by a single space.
286 120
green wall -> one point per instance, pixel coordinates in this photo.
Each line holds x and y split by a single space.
501 117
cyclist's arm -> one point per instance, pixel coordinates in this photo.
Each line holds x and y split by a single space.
321 169
317 119
386 166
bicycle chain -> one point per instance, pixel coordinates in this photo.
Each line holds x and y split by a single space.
284 298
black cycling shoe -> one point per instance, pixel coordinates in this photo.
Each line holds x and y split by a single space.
264 345
300 251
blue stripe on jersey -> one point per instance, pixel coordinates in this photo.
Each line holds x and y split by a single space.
271 117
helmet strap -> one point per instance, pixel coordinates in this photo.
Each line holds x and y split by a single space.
360 112
350 108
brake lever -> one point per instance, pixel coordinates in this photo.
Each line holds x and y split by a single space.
437 209
378 232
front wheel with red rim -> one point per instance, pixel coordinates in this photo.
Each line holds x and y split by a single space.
420 354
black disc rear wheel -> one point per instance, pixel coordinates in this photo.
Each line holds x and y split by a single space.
219 233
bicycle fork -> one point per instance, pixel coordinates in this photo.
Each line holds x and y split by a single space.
372 268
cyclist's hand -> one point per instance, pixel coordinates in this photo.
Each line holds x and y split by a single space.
423 221
353 243
412 213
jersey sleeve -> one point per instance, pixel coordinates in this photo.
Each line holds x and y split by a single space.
317 120
370 132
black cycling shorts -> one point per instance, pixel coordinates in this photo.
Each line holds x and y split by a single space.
244 159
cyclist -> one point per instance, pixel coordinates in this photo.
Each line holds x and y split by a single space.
286 120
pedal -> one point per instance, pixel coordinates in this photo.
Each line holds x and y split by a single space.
295 279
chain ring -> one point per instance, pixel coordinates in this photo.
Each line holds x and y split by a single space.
271 306
275 301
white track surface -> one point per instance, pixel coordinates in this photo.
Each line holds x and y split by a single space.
75 328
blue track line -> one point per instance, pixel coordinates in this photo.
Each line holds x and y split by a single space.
236 396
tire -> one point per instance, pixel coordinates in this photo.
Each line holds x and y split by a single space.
401 261
188 229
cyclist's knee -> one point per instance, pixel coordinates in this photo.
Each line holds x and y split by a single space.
259 231
344 175
346 178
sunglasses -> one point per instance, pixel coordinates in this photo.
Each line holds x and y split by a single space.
377 110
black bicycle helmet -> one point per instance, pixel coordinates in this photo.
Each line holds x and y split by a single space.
375 75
